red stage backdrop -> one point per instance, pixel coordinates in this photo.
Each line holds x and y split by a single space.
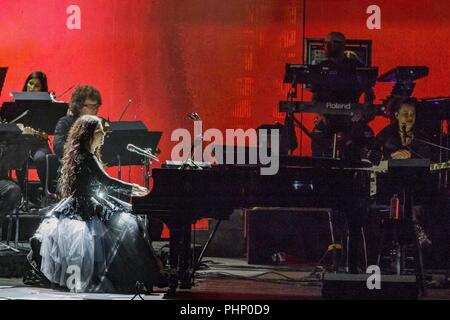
222 59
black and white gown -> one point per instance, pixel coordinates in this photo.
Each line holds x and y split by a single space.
90 242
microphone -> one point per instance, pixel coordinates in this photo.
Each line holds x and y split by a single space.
142 152
405 134
125 108
404 131
64 92
194 116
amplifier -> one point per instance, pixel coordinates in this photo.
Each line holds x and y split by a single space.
345 286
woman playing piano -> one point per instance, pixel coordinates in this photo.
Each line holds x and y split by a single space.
90 231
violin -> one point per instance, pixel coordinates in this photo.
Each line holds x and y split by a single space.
33 132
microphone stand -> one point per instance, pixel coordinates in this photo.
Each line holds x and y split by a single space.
432 144
147 163
290 120
148 157
64 92
119 172
125 109
436 146
189 163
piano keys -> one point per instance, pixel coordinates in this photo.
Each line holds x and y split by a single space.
331 108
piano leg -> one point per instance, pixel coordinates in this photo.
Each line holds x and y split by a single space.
185 258
355 214
179 257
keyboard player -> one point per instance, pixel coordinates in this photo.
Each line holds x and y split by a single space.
341 136
352 133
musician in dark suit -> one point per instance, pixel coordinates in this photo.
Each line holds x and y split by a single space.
397 140
402 140
86 100
36 82
353 134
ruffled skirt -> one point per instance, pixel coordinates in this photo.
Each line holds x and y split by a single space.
96 255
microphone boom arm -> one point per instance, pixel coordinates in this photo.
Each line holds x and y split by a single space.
142 152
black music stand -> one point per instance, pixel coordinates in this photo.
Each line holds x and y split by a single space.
11 152
114 150
36 110
42 115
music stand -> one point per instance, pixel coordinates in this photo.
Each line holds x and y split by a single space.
35 110
40 114
25 95
114 150
12 153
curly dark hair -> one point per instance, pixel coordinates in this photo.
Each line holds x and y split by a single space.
395 103
37 75
77 145
80 94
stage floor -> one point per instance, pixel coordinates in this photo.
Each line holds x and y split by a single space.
221 279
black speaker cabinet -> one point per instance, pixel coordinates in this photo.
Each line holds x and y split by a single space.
284 235
344 286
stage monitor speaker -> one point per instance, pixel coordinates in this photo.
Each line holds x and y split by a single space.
289 235
344 286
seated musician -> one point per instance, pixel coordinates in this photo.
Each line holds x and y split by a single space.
353 134
397 141
86 100
91 229
36 82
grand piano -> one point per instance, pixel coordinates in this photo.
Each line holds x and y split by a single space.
181 197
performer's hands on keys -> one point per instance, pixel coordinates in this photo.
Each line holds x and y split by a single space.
401 154
138 191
